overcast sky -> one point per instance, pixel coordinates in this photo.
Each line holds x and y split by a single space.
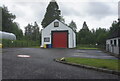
96 13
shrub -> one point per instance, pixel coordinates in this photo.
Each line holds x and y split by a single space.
19 43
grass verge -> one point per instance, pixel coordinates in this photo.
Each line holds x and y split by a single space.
111 64
86 48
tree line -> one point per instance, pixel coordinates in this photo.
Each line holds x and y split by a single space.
31 36
32 32
8 25
85 35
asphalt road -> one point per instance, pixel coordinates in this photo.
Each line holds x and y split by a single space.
40 64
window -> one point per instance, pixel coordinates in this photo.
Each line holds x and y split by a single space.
111 42
46 39
119 43
115 42
56 24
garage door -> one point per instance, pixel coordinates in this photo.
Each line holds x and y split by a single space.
59 39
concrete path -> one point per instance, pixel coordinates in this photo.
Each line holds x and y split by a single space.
40 65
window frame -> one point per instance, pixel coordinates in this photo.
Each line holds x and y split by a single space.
46 39
56 24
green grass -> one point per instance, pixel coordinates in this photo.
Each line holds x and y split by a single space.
34 47
86 48
111 64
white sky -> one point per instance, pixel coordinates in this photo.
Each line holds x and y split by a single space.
96 13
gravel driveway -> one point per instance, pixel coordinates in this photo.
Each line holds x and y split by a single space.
40 64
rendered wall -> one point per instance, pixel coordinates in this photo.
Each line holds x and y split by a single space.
46 32
111 47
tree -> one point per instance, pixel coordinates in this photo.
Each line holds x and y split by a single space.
85 27
28 32
62 19
7 20
0 18
35 33
32 32
101 36
52 13
85 36
114 29
17 31
73 25
8 25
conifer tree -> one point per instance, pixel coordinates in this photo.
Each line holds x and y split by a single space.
52 13
85 27
73 25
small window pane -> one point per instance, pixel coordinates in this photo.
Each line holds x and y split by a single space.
115 42
119 42
56 24
111 42
47 39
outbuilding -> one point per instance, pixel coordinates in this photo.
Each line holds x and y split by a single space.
113 45
58 35
113 41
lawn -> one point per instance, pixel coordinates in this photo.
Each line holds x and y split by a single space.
0 45
111 64
86 48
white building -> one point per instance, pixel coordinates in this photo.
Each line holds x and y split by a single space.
113 45
58 35
113 42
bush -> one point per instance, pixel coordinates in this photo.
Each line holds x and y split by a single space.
19 43
90 46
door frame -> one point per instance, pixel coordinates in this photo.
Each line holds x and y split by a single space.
60 31
119 45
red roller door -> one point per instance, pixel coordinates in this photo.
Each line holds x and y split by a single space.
59 40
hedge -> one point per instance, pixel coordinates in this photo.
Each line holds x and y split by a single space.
19 43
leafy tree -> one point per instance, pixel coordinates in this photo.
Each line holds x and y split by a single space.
7 20
84 36
101 36
62 19
17 31
52 13
32 32
28 32
8 25
35 33
114 26
115 29
0 18
73 25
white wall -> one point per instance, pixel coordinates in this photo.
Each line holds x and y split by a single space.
111 47
46 32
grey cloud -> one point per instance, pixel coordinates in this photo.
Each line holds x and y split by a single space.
99 9
37 8
68 10
96 10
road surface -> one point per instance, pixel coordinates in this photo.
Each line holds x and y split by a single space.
40 64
